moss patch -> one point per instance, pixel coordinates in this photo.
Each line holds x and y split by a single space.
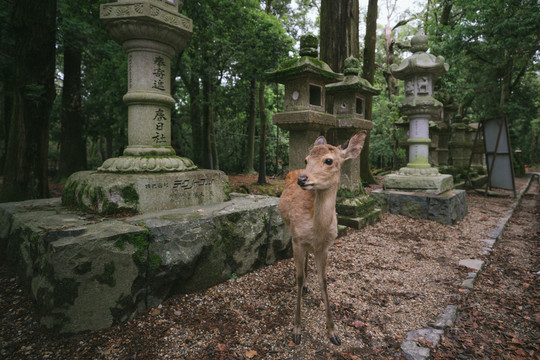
94 199
107 276
346 193
141 241
65 292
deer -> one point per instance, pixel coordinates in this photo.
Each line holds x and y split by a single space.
308 208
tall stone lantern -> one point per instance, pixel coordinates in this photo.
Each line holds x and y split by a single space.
419 190
149 176
349 99
419 72
305 101
152 32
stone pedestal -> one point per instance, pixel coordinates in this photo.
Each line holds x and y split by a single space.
357 212
304 127
107 193
446 208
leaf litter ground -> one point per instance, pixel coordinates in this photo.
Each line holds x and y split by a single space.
385 280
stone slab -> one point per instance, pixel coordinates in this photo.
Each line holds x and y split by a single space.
88 272
354 207
360 222
110 193
447 208
447 318
433 184
474 264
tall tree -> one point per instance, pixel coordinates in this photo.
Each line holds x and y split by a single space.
72 36
368 73
7 50
251 125
34 29
339 32
262 116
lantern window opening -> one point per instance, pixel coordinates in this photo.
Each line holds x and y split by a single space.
315 95
360 106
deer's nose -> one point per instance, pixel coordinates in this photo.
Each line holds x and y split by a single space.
302 180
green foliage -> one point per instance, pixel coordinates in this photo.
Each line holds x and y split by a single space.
493 51
233 43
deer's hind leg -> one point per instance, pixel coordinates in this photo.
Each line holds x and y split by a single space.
300 258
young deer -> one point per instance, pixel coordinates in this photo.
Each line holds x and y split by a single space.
308 208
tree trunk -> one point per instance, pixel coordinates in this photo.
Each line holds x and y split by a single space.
72 141
505 85
389 49
25 174
339 32
250 148
368 73
262 141
208 161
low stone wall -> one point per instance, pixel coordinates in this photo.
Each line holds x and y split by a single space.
87 272
447 208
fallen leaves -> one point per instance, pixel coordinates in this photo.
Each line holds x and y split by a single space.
385 280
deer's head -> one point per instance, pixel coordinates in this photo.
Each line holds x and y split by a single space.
323 164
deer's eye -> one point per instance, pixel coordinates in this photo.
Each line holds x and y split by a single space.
305 161
328 161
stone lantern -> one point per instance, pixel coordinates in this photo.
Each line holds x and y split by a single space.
460 143
305 101
149 176
419 190
349 98
449 108
419 73
152 32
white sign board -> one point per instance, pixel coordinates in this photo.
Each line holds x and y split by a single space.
498 153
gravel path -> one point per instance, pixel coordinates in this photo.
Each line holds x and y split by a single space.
384 281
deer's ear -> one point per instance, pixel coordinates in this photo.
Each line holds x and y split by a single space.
320 141
356 143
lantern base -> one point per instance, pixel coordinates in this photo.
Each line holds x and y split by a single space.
427 180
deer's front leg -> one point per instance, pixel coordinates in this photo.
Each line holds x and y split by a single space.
321 259
299 262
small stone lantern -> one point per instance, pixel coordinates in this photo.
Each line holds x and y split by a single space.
460 143
304 116
349 98
419 72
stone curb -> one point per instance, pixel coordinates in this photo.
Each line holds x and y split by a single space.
413 347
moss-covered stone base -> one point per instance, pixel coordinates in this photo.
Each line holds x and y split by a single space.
446 208
357 212
87 272
112 193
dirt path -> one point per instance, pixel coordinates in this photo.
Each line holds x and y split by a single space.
500 318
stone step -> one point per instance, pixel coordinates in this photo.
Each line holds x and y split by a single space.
361 221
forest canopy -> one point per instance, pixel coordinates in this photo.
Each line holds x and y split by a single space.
70 101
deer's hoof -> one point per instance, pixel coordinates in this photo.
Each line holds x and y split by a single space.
305 289
335 340
297 338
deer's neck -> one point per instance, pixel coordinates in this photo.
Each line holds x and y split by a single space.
324 207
